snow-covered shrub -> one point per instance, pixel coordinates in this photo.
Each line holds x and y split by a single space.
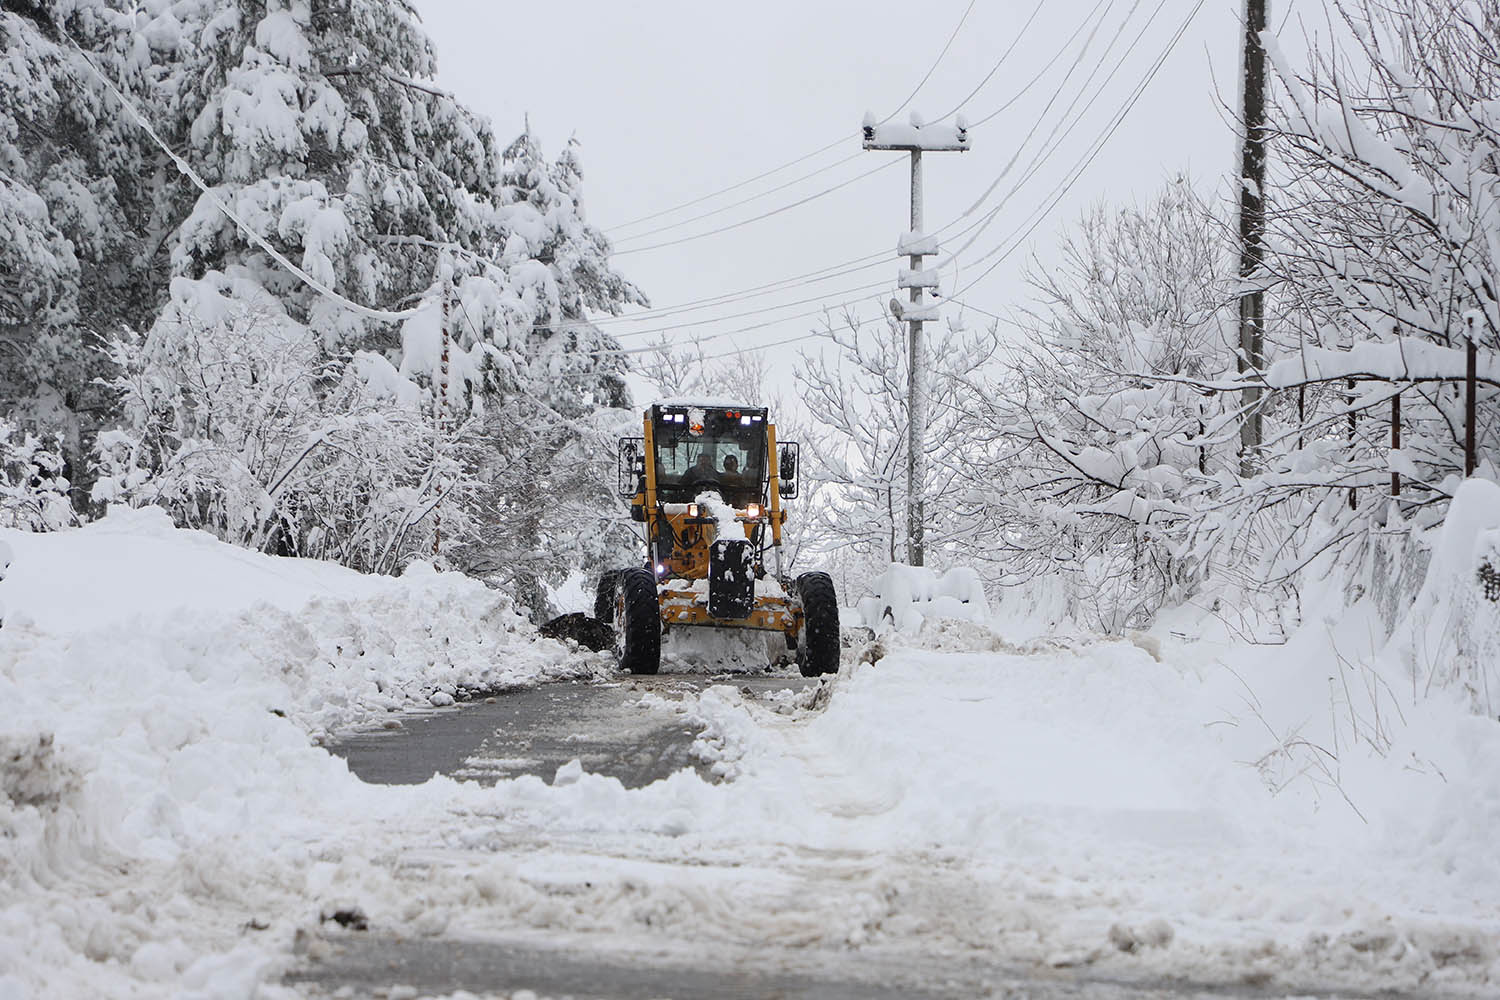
235 422
1383 243
859 399
1452 636
905 596
33 487
1098 440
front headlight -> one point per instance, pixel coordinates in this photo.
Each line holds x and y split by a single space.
753 512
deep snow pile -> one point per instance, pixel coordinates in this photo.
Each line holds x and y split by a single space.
161 693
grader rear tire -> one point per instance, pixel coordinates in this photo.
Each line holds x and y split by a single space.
638 622
604 595
818 640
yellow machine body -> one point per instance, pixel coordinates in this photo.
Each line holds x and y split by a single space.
673 482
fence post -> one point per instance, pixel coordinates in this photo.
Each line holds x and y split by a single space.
1353 427
1396 440
1470 403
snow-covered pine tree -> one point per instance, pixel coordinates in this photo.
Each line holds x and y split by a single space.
551 417
79 235
318 125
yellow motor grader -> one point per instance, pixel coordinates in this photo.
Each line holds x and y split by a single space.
706 480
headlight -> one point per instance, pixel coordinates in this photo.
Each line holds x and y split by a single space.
692 510
753 511
661 569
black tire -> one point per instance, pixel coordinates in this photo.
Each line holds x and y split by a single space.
638 622
604 596
818 639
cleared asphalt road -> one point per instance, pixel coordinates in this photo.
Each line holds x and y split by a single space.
607 727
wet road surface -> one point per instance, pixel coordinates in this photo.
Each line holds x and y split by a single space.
537 730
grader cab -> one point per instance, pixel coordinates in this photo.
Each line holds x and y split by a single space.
706 480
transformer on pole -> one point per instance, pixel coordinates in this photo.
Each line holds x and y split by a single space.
915 138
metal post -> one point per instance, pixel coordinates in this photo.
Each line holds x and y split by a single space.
915 139
1395 441
1353 430
916 403
1471 402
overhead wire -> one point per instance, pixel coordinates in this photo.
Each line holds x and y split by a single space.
807 156
878 258
1070 179
1093 154
737 204
857 263
1049 145
998 63
766 215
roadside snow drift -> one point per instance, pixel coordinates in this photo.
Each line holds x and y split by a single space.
161 693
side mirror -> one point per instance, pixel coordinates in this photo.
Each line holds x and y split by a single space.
630 466
786 467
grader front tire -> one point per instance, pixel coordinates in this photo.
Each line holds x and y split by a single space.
638 622
818 643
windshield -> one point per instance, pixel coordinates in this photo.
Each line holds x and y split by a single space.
698 449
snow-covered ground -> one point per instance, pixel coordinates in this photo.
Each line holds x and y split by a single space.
169 827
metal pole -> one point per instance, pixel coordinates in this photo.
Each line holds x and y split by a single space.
1395 441
1471 388
916 403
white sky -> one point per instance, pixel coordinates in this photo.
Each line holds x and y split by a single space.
674 99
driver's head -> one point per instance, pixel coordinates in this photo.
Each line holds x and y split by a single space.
705 463
731 463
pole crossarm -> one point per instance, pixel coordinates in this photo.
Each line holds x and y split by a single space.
915 136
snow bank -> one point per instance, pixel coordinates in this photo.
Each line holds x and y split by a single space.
159 787
1451 638
906 595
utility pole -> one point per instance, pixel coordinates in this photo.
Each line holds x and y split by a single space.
1252 225
916 138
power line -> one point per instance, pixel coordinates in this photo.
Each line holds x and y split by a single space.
1043 71
1050 146
807 156
742 201
864 262
1000 62
1097 148
1056 196
766 215
933 68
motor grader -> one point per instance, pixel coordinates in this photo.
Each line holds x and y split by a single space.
707 481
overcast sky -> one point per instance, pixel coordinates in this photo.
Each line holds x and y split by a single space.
675 99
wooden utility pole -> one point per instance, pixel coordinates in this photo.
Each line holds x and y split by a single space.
446 283
1252 225
915 138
